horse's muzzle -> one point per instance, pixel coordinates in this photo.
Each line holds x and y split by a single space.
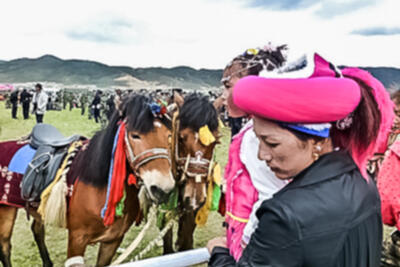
159 194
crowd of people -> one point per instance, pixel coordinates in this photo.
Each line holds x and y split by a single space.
98 104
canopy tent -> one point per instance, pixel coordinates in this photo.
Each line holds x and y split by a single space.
6 87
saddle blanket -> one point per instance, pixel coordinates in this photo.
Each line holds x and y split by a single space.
10 191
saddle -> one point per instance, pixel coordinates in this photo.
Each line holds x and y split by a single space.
51 148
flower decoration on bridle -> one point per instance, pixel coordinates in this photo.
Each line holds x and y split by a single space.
158 108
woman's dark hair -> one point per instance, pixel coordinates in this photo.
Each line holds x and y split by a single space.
365 126
250 67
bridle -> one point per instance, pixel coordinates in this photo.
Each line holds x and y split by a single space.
144 157
196 167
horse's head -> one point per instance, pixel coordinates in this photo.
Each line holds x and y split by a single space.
197 135
147 141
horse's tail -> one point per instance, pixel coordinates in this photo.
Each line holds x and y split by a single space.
56 206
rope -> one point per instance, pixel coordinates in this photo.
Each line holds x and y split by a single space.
139 238
153 243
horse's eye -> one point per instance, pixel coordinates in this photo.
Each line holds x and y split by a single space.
135 136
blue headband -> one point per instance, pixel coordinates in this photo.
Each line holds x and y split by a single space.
321 130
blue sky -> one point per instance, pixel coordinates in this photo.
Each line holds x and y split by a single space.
200 33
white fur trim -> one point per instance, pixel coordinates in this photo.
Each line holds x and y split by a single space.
317 127
74 260
305 63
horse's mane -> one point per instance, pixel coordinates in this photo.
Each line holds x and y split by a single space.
94 163
196 112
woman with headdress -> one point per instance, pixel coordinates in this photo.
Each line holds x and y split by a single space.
318 133
249 181
386 168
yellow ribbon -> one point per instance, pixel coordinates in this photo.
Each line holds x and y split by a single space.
205 135
252 51
242 220
217 174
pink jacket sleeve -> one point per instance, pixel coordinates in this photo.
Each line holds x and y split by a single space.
389 186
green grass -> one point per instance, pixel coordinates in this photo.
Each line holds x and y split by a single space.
24 250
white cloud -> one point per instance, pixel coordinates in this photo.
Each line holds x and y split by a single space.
198 33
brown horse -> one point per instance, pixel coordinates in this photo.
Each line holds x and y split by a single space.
147 139
147 142
195 112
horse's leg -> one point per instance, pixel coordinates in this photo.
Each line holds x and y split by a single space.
39 233
8 215
167 242
185 231
77 243
107 251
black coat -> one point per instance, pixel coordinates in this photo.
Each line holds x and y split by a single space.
14 97
328 216
25 97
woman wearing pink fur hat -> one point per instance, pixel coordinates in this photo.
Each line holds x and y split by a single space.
317 132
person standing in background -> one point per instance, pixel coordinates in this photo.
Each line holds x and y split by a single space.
40 101
14 103
83 99
96 104
25 100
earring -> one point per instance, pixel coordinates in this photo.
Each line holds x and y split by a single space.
318 148
315 156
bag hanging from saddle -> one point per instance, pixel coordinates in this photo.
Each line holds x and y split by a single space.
41 171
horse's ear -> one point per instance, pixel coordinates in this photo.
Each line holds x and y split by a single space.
178 99
218 102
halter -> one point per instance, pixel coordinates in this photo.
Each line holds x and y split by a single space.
144 157
193 167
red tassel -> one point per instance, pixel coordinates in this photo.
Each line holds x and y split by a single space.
118 177
131 179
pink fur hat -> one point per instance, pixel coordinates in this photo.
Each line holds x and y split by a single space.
319 97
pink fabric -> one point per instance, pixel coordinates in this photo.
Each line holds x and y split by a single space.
386 108
322 68
240 196
389 186
312 100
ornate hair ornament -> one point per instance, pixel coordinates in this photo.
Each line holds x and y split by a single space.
345 123
257 56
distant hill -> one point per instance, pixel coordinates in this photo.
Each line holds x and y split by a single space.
390 77
52 69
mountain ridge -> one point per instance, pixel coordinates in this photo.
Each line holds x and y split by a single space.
86 72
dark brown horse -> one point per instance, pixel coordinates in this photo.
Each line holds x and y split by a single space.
192 160
147 143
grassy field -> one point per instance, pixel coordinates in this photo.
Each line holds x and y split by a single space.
24 251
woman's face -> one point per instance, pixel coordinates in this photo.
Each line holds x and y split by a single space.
233 73
283 152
